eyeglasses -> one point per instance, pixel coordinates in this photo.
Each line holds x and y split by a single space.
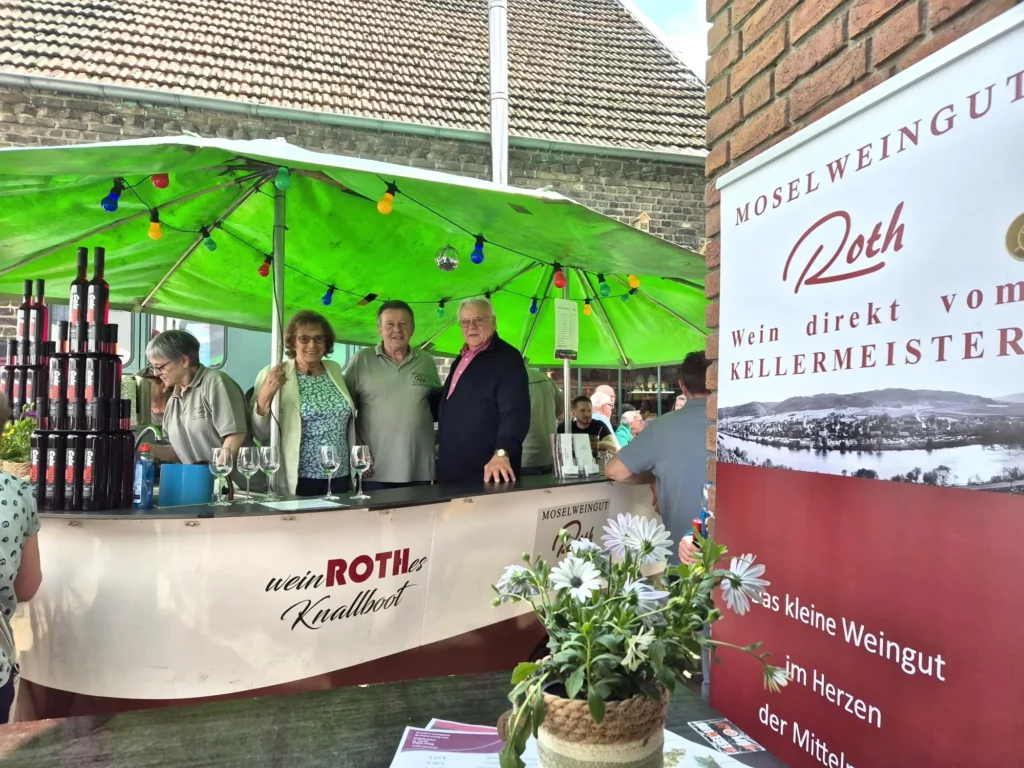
160 368
474 322
318 340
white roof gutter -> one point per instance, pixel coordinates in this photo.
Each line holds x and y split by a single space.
217 104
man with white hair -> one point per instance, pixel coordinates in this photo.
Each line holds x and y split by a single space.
603 402
485 404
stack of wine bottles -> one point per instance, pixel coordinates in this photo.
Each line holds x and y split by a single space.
82 455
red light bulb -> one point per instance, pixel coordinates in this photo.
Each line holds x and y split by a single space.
559 279
264 269
161 180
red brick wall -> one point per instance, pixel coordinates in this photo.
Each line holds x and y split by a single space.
776 66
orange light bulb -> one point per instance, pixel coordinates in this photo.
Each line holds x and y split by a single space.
386 203
155 232
634 281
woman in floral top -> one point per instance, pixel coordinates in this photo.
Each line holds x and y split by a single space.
20 574
316 408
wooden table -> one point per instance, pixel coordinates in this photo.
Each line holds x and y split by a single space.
358 727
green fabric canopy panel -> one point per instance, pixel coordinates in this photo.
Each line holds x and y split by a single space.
50 205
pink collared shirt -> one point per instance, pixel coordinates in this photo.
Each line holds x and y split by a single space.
468 355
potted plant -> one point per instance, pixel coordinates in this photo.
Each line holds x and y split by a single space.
618 643
16 447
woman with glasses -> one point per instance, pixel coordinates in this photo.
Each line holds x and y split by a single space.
315 407
206 408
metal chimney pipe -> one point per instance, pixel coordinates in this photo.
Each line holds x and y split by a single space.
497 13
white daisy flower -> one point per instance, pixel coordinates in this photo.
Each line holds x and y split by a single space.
580 577
616 532
636 649
579 546
775 678
648 598
743 583
649 540
516 580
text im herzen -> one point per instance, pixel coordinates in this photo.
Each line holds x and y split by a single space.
315 613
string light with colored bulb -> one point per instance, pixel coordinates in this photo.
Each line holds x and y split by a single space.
602 286
560 281
109 203
533 306
478 250
634 281
387 203
329 296
627 296
208 241
587 309
160 180
264 269
440 309
283 179
155 232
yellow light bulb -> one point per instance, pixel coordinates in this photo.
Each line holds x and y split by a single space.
634 281
587 309
385 204
155 233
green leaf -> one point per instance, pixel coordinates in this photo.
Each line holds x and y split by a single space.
657 653
538 711
575 682
523 670
611 642
596 705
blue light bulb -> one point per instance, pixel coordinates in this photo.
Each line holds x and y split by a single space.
328 297
478 251
533 307
109 203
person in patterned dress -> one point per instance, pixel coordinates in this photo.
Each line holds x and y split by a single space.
316 407
20 573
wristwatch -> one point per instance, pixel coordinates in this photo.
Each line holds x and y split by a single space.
501 452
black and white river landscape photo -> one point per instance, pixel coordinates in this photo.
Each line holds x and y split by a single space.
919 436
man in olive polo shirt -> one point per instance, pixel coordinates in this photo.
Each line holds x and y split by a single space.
393 385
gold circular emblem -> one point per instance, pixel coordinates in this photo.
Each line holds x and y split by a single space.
1015 238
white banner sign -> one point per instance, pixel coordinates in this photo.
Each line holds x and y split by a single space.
872 318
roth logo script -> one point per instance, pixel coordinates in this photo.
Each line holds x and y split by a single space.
817 253
359 569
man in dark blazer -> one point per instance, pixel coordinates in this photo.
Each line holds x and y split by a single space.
484 412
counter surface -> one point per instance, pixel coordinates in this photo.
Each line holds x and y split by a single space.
390 499
346 728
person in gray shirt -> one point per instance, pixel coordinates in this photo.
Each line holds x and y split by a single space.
670 454
546 409
394 385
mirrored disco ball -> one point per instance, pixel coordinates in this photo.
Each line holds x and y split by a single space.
447 259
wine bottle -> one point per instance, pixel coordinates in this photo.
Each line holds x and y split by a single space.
79 299
24 310
38 324
97 301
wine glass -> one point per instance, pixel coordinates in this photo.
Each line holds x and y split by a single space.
220 467
330 463
270 462
248 465
360 462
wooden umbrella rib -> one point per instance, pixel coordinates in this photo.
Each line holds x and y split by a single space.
115 224
657 303
536 318
608 321
246 194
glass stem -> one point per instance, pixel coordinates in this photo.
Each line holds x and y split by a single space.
248 495
330 485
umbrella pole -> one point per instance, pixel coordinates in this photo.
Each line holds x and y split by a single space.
567 379
277 321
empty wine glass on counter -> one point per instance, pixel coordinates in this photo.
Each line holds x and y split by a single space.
270 462
248 465
360 462
330 462
220 467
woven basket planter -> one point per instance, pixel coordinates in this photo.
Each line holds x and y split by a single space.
631 735
17 468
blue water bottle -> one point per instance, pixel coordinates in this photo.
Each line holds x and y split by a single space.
144 480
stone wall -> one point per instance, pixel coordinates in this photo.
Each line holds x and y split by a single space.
776 66
671 194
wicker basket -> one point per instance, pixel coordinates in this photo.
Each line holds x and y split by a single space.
631 735
17 468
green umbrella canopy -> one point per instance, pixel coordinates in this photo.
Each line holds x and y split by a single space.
50 203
